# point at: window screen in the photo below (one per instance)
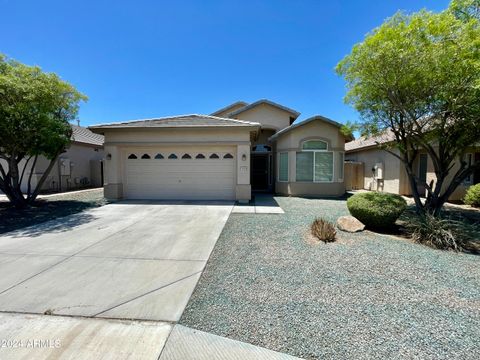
(314, 145)
(283, 167)
(323, 166)
(304, 168)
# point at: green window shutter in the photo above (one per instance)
(304, 166)
(314, 145)
(283, 167)
(324, 166)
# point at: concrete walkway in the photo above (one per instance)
(27, 336)
(188, 344)
(260, 204)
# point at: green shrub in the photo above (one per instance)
(473, 196)
(323, 230)
(376, 210)
(439, 233)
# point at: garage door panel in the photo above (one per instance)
(180, 178)
(174, 181)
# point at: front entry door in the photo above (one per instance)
(260, 174)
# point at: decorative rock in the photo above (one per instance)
(349, 224)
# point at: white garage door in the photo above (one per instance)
(180, 173)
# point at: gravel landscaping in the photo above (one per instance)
(365, 296)
(48, 208)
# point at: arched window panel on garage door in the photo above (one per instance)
(200, 156)
(214, 156)
(159, 156)
(228, 156)
(146, 156)
(172, 156)
(186, 156)
(132, 156)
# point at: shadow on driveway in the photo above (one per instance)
(14, 219)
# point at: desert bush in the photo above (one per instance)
(323, 230)
(472, 197)
(376, 210)
(440, 233)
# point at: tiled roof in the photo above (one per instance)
(367, 142)
(231, 106)
(85, 136)
(264, 101)
(304, 122)
(193, 120)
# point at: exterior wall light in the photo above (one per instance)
(109, 156)
(244, 157)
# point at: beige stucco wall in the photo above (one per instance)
(291, 142)
(396, 180)
(268, 116)
(263, 136)
(81, 157)
(118, 142)
(391, 181)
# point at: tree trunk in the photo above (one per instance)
(31, 198)
(11, 185)
(413, 186)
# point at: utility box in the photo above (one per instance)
(379, 171)
(64, 166)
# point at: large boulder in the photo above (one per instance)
(349, 224)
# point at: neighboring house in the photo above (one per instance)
(385, 172)
(78, 167)
(238, 149)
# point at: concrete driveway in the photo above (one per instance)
(124, 260)
(116, 280)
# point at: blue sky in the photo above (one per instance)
(142, 59)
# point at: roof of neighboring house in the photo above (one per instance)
(260, 102)
(304, 122)
(228, 107)
(369, 142)
(85, 136)
(186, 121)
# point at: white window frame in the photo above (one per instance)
(469, 180)
(288, 167)
(314, 156)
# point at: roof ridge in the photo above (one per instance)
(304, 122)
(187, 117)
(239, 102)
(266, 101)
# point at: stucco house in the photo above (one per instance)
(384, 172)
(226, 155)
(78, 167)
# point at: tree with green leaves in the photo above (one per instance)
(418, 76)
(35, 110)
(465, 10)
